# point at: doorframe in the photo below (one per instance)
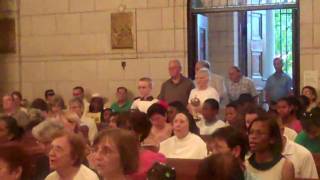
(191, 36)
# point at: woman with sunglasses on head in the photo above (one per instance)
(310, 136)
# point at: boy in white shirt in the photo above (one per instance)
(145, 100)
(210, 123)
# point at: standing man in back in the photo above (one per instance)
(239, 84)
(178, 87)
(279, 84)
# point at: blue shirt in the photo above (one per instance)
(278, 85)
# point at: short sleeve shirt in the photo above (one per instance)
(278, 85)
(245, 85)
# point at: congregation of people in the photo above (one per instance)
(218, 121)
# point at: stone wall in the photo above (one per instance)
(309, 36)
(65, 43)
(222, 41)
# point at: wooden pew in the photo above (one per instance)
(186, 169)
(316, 157)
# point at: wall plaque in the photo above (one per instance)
(121, 30)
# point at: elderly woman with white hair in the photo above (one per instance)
(44, 133)
(202, 92)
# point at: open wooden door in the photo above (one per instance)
(256, 47)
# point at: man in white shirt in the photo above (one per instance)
(239, 84)
(145, 100)
(210, 123)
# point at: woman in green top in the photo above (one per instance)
(310, 136)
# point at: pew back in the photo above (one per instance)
(316, 157)
(186, 169)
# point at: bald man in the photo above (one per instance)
(178, 87)
(238, 84)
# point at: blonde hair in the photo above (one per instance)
(71, 117)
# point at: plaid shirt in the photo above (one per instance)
(245, 85)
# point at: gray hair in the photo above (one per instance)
(35, 114)
(278, 58)
(205, 72)
(176, 61)
(204, 64)
(47, 130)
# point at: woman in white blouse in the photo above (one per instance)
(202, 92)
(185, 144)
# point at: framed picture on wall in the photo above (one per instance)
(121, 30)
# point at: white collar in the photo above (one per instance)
(288, 147)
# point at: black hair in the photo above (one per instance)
(40, 104)
(80, 88)
(96, 104)
(233, 138)
(121, 87)
(49, 92)
(222, 166)
(102, 114)
(311, 119)
(232, 105)
(122, 119)
(245, 98)
(13, 128)
(313, 90)
(15, 156)
(293, 101)
(17, 93)
(178, 106)
(304, 102)
(274, 132)
(214, 104)
(140, 124)
(156, 108)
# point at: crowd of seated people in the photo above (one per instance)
(87, 139)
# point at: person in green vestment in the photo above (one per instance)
(123, 103)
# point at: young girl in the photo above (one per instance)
(287, 112)
(266, 161)
(311, 93)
